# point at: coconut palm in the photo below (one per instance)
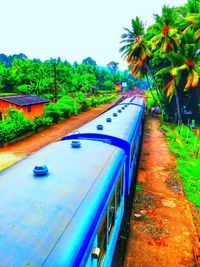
(168, 38)
(136, 50)
(191, 19)
(187, 65)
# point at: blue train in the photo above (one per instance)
(63, 205)
(122, 127)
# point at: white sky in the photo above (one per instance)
(72, 29)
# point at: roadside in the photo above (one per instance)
(162, 230)
(12, 153)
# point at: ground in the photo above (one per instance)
(162, 227)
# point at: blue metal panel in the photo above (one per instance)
(91, 209)
(110, 140)
(38, 214)
(123, 126)
(120, 132)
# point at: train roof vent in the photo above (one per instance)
(40, 170)
(123, 107)
(119, 111)
(126, 105)
(99, 127)
(75, 144)
(114, 114)
(108, 119)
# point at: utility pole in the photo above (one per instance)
(55, 83)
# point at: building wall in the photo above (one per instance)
(118, 87)
(28, 111)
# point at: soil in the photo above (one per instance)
(161, 227)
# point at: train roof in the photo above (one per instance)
(37, 212)
(133, 100)
(122, 126)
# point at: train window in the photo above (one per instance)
(132, 151)
(122, 182)
(102, 240)
(118, 193)
(111, 210)
(119, 189)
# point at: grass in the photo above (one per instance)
(184, 143)
(138, 188)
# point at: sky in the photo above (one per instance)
(72, 29)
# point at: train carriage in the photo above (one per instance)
(120, 126)
(71, 215)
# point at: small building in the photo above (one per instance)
(118, 86)
(31, 105)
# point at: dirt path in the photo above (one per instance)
(162, 232)
(12, 153)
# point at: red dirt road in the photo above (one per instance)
(14, 152)
(162, 231)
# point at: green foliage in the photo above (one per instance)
(169, 53)
(152, 101)
(40, 122)
(68, 106)
(54, 77)
(184, 143)
(138, 188)
(14, 125)
(108, 85)
(83, 102)
(104, 91)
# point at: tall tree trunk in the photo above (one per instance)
(156, 85)
(198, 101)
(55, 83)
(176, 97)
(157, 89)
(151, 89)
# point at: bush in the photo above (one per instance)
(71, 104)
(54, 112)
(184, 144)
(82, 101)
(14, 125)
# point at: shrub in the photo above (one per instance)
(14, 125)
(184, 143)
(54, 112)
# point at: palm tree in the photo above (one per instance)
(167, 36)
(136, 51)
(187, 65)
(191, 19)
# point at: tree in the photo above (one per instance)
(168, 38)
(89, 61)
(136, 51)
(113, 67)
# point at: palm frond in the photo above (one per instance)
(163, 71)
(170, 89)
(189, 81)
(195, 81)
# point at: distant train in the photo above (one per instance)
(63, 205)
